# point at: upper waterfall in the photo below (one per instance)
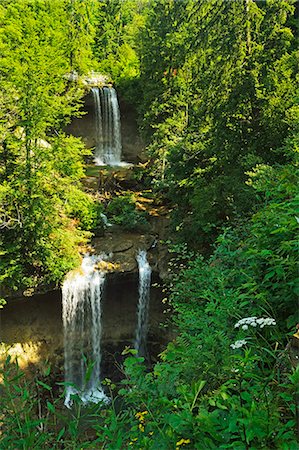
(107, 127)
(81, 311)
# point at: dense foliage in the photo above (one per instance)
(219, 98)
(214, 82)
(115, 47)
(122, 211)
(225, 382)
(41, 167)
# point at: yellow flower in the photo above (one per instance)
(140, 416)
(182, 442)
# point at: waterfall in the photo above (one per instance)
(143, 302)
(99, 150)
(108, 129)
(81, 311)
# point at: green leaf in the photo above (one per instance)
(44, 385)
(51, 407)
(60, 434)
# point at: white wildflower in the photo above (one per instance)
(254, 322)
(238, 344)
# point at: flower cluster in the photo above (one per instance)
(254, 322)
(182, 442)
(140, 417)
(238, 344)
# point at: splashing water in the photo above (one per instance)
(108, 128)
(143, 302)
(81, 311)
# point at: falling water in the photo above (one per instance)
(143, 302)
(99, 150)
(108, 129)
(81, 309)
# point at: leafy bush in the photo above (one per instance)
(83, 207)
(227, 380)
(33, 415)
(122, 211)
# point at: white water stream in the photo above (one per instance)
(82, 293)
(143, 302)
(108, 127)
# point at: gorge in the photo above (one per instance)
(149, 225)
(94, 298)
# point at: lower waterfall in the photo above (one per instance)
(82, 293)
(143, 302)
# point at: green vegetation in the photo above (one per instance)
(40, 167)
(221, 99)
(122, 211)
(115, 46)
(216, 86)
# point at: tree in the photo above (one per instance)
(80, 21)
(229, 82)
(116, 43)
(40, 166)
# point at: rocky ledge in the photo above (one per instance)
(121, 250)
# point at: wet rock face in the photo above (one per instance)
(84, 126)
(133, 146)
(31, 328)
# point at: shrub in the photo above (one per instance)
(122, 211)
